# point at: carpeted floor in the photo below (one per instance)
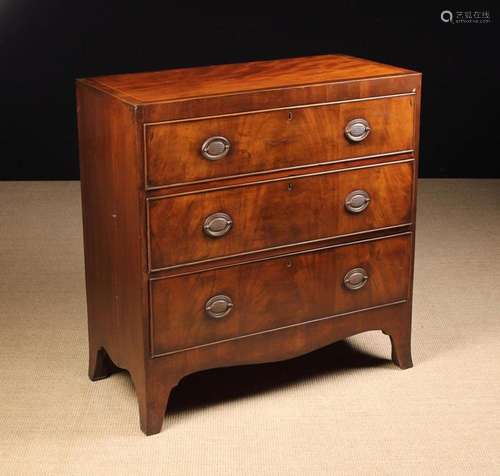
(344, 409)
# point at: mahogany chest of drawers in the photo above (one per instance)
(245, 213)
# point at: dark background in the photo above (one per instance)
(45, 45)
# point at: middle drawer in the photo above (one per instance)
(213, 224)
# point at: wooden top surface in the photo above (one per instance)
(178, 84)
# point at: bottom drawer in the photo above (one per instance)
(210, 306)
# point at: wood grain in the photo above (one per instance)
(227, 79)
(113, 212)
(276, 293)
(283, 260)
(277, 213)
(278, 139)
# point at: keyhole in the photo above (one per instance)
(288, 264)
(290, 187)
(290, 115)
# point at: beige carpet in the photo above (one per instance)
(342, 410)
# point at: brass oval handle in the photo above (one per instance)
(215, 148)
(219, 306)
(217, 225)
(355, 279)
(357, 201)
(357, 130)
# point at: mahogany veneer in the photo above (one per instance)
(290, 137)
(270, 214)
(245, 213)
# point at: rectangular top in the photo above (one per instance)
(206, 81)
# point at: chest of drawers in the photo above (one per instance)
(246, 213)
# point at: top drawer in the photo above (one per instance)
(227, 146)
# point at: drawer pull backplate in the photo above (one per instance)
(355, 279)
(219, 306)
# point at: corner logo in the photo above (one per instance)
(466, 17)
(447, 16)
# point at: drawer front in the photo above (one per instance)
(275, 140)
(209, 225)
(220, 304)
